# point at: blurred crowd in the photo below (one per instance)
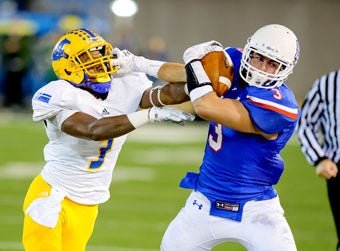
(27, 38)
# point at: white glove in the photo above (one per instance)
(124, 60)
(200, 50)
(45, 211)
(158, 114)
(129, 62)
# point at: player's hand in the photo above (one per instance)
(326, 169)
(200, 50)
(128, 62)
(158, 114)
(124, 59)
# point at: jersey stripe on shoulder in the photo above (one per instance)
(43, 97)
(292, 113)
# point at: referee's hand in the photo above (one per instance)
(326, 169)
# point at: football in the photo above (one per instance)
(219, 71)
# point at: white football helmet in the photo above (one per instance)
(276, 42)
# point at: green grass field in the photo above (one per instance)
(145, 195)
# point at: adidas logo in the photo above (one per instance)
(105, 112)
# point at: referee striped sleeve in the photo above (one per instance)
(318, 130)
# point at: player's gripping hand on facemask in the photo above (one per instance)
(128, 62)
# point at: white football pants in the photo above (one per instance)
(263, 227)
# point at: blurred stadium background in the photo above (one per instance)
(159, 29)
(145, 193)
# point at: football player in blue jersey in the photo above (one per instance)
(233, 198)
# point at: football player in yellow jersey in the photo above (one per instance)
(87, 113)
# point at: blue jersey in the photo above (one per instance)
(238, 167)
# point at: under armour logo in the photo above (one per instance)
(199, 205)
(105, 112)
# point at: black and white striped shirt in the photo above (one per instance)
(319, 127)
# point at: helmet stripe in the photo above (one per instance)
(89, 32)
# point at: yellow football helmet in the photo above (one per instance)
(73, 60)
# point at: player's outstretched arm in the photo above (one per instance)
(172, 72)
(85, 126)
(167, 71)
(168, 94)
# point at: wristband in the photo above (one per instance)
(200, 92)
(139, 118)
(198, 70)
(158, 88)
(198, 82)
(150, 95)
(150, 67)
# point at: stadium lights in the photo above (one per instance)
(124, 8)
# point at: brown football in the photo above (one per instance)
(220, 73)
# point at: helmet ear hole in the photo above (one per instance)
(77, 77)
(67, 72)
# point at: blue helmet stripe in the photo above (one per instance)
(89, 32)
(58, 52)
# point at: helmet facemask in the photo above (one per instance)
(95, 63)
(256, 77)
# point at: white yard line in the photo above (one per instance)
(22, 170)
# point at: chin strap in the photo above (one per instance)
(100, 88)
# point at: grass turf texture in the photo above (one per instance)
(145, 195)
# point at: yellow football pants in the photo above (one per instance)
(74, 228)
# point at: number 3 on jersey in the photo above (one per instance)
(96, 163)
(215, 140)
